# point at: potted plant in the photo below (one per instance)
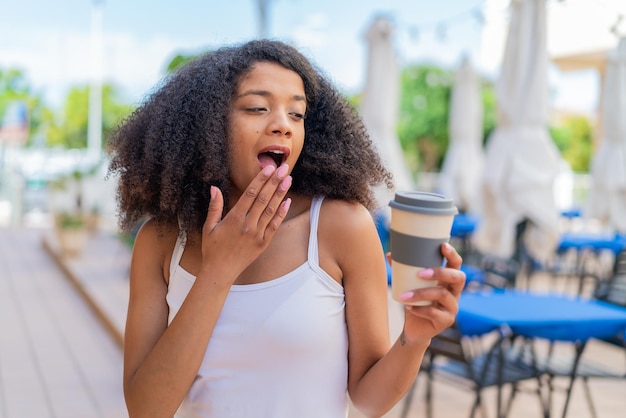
(71, 231)
(73, 224)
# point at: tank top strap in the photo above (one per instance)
(179, 248)
(314, 217)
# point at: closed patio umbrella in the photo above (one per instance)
(462, 167)
(380, 105)
(607, 197)
(521, 161)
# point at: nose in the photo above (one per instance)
(280, 124)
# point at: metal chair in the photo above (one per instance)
(491, 272)
(573, 367)
(613, 290)
(464, 361)
(500, 272)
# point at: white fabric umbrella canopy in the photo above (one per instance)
(521, 160)
(607, 197)
(380, 105)
(462, 167)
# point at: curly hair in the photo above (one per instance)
(174, 146)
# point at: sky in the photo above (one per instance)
(50, 40)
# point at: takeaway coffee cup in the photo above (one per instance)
(420, 223)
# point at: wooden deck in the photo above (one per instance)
(56, 359)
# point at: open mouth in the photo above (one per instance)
(272, 157)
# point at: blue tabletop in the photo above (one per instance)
(554, 317)
(573, 212)
(594, 241)
(464, 225)
(473, 274)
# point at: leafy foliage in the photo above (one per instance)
(66, 128)
(424, 112)
(66, 220)
(14, 86)
(573, 136)
(423, 119)
(70, 129)
(179, 60)
(489, 109)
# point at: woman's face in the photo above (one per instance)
(266, 125)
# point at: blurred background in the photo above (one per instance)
(513, 108)
(71, 70)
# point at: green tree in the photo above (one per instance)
(489, 108)
(573, 137)
(14, 86)
(424, 108)
(423, 120)
(179, 60)
(69, 129)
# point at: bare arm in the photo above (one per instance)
(379, 375)
(160, 361)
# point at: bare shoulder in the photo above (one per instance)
(155, 235)
(154, 244)
(345, 217)
(347, 232)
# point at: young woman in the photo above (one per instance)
(258, 285)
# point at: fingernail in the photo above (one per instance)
(282, 170)
(285, 184)
(213, 192)
(426, 273)
(448, 246)
(268, 170)
(406, 295)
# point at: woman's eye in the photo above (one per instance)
(256, 109)
(298, 115)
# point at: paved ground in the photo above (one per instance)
(56, 359)
(62, 322)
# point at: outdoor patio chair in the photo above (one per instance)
(500, 272)
(611, 290)
(470, 363)
(551, 366)
(558, 264)
(491, 272)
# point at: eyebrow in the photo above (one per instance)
(266, 93)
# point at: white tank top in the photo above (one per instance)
(279, 348)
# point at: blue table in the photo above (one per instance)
(473, 274)
(573, 212)
(464, 225)
(382, 227)
(592, 241)
(587, 246)
(533, 315)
